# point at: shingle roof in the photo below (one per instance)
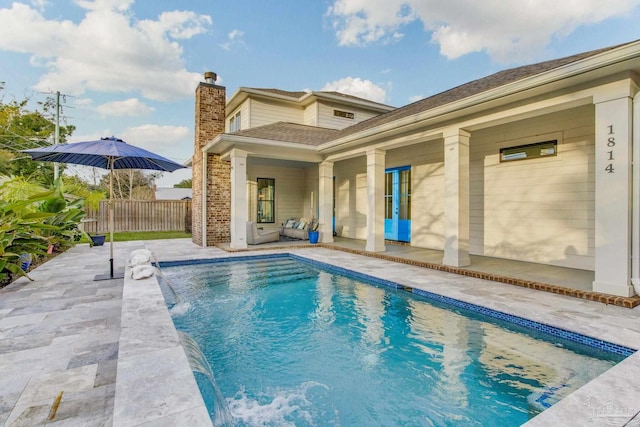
(296, 95)
(310, 135)
(299, 94)
(290, 132)
(466, 90)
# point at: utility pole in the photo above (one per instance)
(56, 169)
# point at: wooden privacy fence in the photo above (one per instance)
(141, 215)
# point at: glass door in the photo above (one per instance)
(397, 197)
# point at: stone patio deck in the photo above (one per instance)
(66, 333)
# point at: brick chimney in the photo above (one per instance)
(210, 115)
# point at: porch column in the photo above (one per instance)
(325, 201)
(375, 200)
(613, 171)
(456, 198)
(239, 205)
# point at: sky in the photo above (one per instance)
(129, 68)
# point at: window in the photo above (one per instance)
(529, 151)
(344, 114)
(266, 200)
(235, 123)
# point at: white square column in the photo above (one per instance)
(375, 200)
(613, 171)
(239, 202)
(325, 201)
(456, 198)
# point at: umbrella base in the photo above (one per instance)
(107, 276)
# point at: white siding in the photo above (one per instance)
(244, 110)
(326, 119)
(264, 113)
(427, 186)
(427, 191)
(291, 191)
(311, 193)
(351, 197)
(311, 114)
(537, 210)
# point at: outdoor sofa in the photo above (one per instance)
(295, 228)
(257, 236)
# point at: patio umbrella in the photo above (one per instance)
(106, 153)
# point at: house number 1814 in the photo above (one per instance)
(611, 142)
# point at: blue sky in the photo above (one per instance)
(129, 68)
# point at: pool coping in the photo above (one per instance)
(626, 302)
(612, 394)
(154, 382)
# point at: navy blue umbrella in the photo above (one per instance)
(106, 153)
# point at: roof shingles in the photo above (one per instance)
(290, 132)
(310, 135)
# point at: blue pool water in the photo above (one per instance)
(292, 344)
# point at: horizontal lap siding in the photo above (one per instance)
(537, 210)
(351, 197)
(327, 119)
(263, 113)
(290, 186)
(427, 190)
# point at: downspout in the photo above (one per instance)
(635, 197)
(203, 226)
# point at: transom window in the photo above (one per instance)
(529, 151)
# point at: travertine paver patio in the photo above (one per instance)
(65, 332)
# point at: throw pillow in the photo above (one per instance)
(301, 225)
(290, 223)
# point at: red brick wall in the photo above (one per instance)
(209, 122)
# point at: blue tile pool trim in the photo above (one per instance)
(517, 320)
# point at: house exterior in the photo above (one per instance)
(533, 163)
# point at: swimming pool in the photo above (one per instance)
(291, 343)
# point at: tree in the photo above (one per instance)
(185, 183)
(130, 184)
(21, 129)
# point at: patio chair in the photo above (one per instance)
(256, 237)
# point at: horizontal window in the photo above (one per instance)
(344, 114)
(529, 151)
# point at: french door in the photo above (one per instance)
(397, 197)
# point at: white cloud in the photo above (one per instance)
(169, 141)
(358, 87)
(508, 30)
(234, 39)
(107, 51)
(415, 98)
(129, 107)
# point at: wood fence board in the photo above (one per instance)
(140, 215)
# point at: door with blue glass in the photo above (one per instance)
(397, 218)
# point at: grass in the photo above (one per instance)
(145, 235)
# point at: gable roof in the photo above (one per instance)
(474, 87)
(301, 96)
(314, 136)
(290, 132)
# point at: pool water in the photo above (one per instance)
(293, 344)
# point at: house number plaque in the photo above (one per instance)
(611, 143)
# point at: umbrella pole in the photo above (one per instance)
(111, 217)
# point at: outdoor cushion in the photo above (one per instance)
(291, 222)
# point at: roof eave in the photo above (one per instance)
(224, 141)
(621, 54)
(370, 105)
